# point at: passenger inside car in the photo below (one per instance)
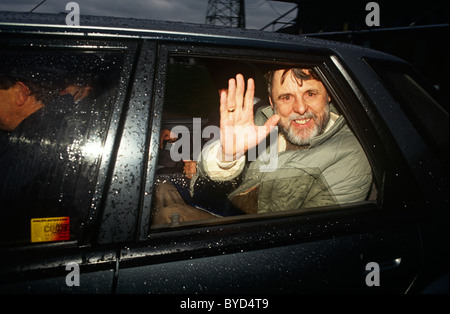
(180, 173)
(319, 162)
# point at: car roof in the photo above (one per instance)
(115, 27)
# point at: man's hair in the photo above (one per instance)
(41, 92)
(299, 74)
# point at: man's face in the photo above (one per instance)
(303, 106)
(16, 104)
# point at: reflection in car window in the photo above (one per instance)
(56, 107)
(307, 156)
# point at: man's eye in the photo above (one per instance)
(311, 94)
(286, 97)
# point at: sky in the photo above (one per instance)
(259, 13)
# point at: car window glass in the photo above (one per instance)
(60, 103)
(278, 175)
(424, 111)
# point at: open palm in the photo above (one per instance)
(238, 132)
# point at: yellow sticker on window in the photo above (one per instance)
(50, 229)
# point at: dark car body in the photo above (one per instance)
(404, 229)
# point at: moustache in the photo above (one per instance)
(306, 115)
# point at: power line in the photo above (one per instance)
(38, 5)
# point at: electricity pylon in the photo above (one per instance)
(229, 13)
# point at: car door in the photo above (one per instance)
(48, 243)
(365, 247)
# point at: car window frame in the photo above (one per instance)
(165, 50)
(368, 135)
(139, 106)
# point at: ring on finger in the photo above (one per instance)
(231, 110)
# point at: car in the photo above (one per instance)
(88, 227)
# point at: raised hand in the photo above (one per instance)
(238, 132)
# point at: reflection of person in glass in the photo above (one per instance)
(19, 98)
(320, 162)
(38, 156)
(78, 92)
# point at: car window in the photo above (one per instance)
(56, 110)
(280, 174)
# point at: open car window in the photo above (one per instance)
(279, 175)
(50, 157)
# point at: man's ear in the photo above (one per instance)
(271, 103)
(21, 92)
(329, 98)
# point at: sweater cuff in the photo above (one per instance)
(221, 170)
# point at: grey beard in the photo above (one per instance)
(319, 127)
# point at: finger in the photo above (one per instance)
(240, 90)
(223, 103)
(249, 96)
(231, 99)
(270, 124)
